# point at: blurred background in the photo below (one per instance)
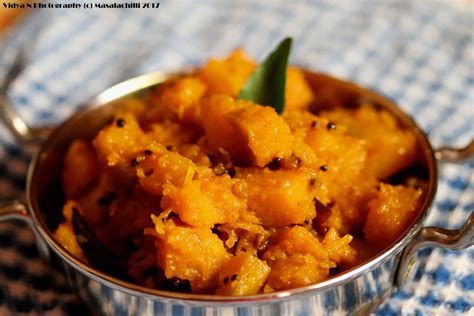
(419, 53)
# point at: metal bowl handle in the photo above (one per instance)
(456, 155)
(436, 236)
(16, 125)
(16, 210)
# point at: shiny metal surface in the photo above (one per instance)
(15, 123)
(359, 296)
(357, 289)
(10, 118)
(12, 210)
(458, 155)
(434, 236)
(16, 210)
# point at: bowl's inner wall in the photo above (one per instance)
(45, 193)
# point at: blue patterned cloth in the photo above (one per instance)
(419, 53)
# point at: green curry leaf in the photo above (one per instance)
(266, 85)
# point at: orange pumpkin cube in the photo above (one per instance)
(243, 274)
(80, 169)
(204, 200)
(190, 253)
(298, 93)
(120, 140)
(338, 248)
(295, 271)
(65, 232)
(227, 76)
(177, 99)
(390, 148)
(280, 197)
(390, 212)
(254, 135)
(294, 240)
(162, 166)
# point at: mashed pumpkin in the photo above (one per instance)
(206, 193)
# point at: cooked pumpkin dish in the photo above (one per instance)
(194, 189)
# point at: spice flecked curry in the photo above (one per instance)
(201, 192)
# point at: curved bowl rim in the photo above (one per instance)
(148, 80)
